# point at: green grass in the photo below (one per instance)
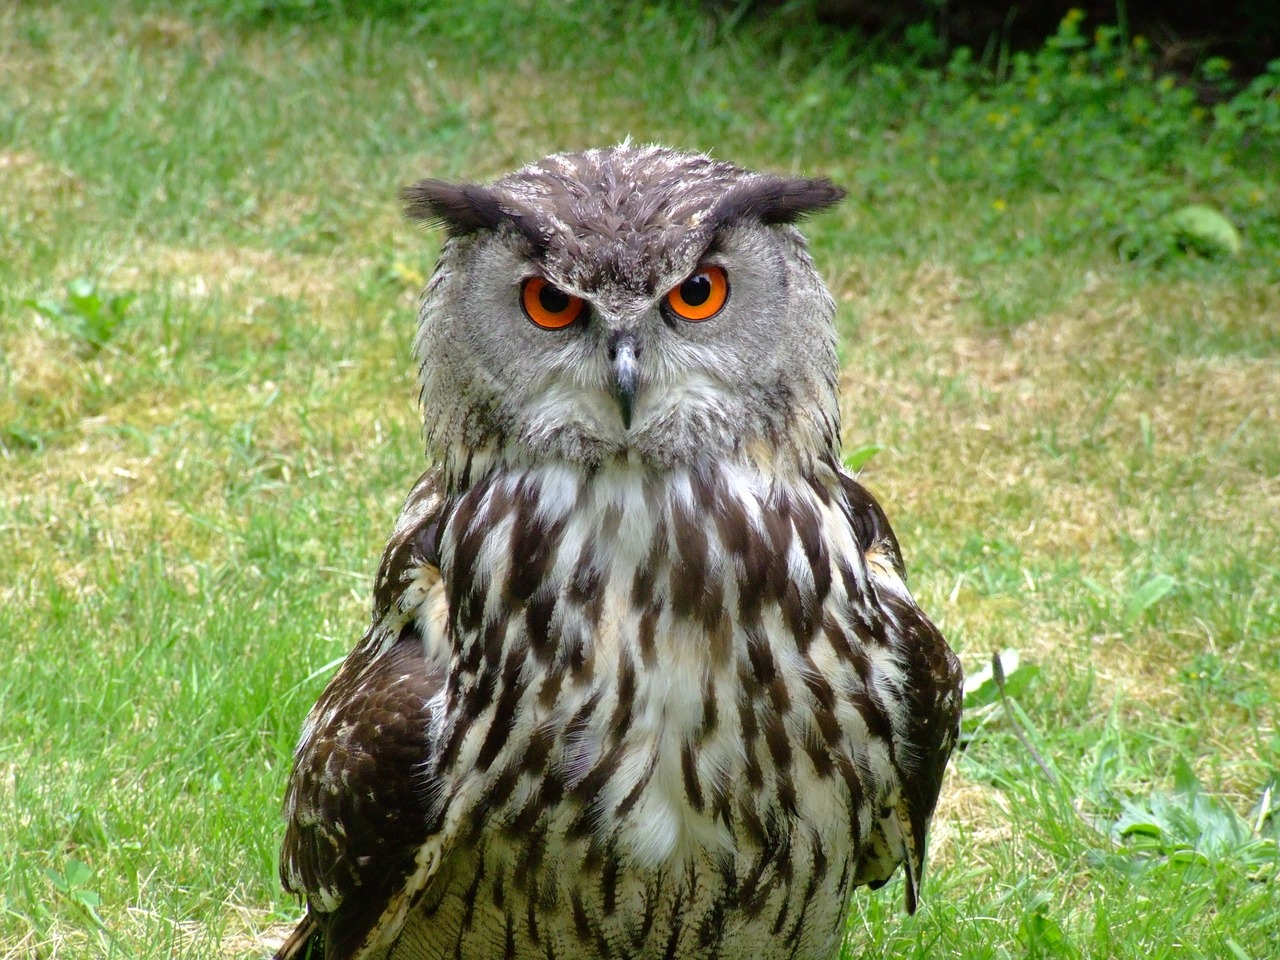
(207, 423)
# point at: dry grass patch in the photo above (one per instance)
(32, 185)
(247, 275)
(971, 817)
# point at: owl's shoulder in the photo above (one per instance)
(933, 668)
(411, 559)
(871, 528)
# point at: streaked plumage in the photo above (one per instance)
(643, 677)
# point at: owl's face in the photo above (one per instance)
(627, 303)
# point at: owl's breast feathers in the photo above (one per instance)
(634, 674)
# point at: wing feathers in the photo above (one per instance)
(356, 804)
(929, 716)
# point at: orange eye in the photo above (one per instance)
(547, 306)
(702, 296)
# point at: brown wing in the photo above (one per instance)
(933, 684)
(356, 805)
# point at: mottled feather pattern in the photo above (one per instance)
(643, 688)
(637, 713)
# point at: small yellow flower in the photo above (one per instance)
(998, 205)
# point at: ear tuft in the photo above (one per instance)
(774, 200)
(461, 208)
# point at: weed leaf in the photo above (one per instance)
(77, 873)
(855, 460)
(1147, 596)
(87, 315)
(1043, 936)
(1203, 230)
(1190, 828)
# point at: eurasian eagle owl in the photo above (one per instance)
(643, 677)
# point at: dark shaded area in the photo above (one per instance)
(1182, 32)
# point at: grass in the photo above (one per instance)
(207, 423)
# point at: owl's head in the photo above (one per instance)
(628, 303)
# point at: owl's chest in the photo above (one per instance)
(668, 666)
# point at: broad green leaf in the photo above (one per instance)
(1204, 230)
(90, 898)
(77, 873)
(856, 459)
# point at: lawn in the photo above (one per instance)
(1063, 386)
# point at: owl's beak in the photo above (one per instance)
(624, 350)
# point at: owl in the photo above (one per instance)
(643, 677)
